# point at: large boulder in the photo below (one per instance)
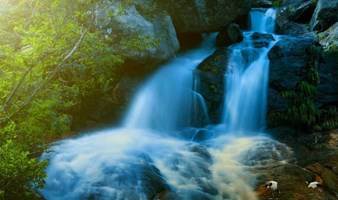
(328, 70)
(229, 35)
(289, 60)
(204, 15)
(325, 15)
(210, 74)
(260, 40)
(210, 81)
(141, 30)
(294, 16)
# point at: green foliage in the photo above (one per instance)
(44, 85)
(19, 171)
(277, 3)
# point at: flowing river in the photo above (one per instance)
(157, 153)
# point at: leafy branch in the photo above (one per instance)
(42, 85)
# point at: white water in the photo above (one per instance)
(146, 160)
(167, 101)
(263, 21)
(247, 79)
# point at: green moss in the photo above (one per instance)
(277, 3)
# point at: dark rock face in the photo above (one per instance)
(325, 15)
(262, 3)
(229, 35)
(327, 90)
(261, 39)
(288, 60)
(328, 70)
(293, 17)
(210, 79)
(204, 15)
(302, 12)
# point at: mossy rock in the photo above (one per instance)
(329, 40)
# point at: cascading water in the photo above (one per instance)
(263, 20)
(168, 102)
(247, 78)
(146, 160)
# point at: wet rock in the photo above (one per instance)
(294, 16)
(328, 71)
(201, 151)
(327, 90)
(196, 134)
(229, 35)
(261, 39)
(276, 101)
(330, 179)
(325, 15)
(262, 3)
(302, 12)
(291, 183)
(204, 15)
(293, 28)
(290, 60)
(316, 160)
(140, 20)
(287, 59)
(267, 153)
(210, 82)
(127, 178)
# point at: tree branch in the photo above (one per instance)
(47, 80)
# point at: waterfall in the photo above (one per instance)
(148, 158)
(262, 20)
(166, 102)
(247, 78)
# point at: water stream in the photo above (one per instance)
(247, 77)
(147, 158)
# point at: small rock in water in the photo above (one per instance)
(272, 185)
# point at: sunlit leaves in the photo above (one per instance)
(18, 171)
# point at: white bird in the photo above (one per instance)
(314, 184)
(273, 185)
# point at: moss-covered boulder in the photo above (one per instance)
(142, 31)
